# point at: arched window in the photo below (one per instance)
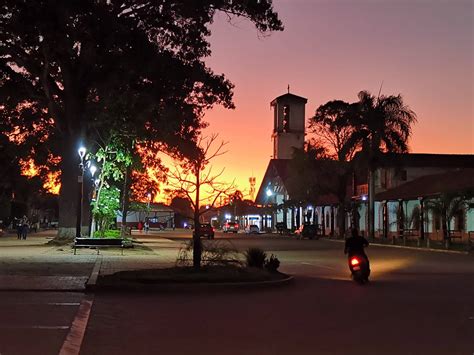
(286, 118)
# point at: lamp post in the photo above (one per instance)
(82, 152)
(95, 185)
(269, 194)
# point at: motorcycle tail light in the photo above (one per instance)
(354, 261)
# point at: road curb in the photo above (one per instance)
(92, 281)
(177, 287)
(407, 247)
(77, 290)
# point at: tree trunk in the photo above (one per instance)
(371, 204)
(125, 201)
(341, 219)
(197, 247)
(68, 194)
(445, 226)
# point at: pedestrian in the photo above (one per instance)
(19, 227)
(147, 226)
(24, 227)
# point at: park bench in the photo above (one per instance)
(98, 243)
(470, 240)
(455, 234)
(281, 228)
(411, 234)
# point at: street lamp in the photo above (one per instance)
(92, 169)
(95, 186)
(269, 194)
(82, 152)
(149, 200)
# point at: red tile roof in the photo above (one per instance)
(431, 185)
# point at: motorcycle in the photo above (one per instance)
(359, 268)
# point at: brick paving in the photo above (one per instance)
(31, 264)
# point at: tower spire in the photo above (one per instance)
(288, 88)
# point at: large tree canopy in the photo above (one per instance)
(76, 68)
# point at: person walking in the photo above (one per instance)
(19, 226)
(24, 227)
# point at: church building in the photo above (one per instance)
(288, 133)
(405, 184)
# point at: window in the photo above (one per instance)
(459, 221)
(437, 223)
(286, 118)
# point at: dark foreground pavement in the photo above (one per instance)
(316, 316)
(417, 303)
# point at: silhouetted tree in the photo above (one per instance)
(68, 67)
(332, 126)
(194, 178)
(380, 124)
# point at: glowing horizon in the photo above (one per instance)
(333, 50)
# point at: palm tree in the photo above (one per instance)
(380, 125)
(446, 207)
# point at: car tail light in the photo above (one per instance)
(354, 261)
(236, 225)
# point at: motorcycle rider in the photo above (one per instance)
(355, 246)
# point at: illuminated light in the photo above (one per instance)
(269, 192)
(310, 208)
(364, 197)
(185, 224)
(82, 152)
(354, 262)
(92, 169)
(227, 216)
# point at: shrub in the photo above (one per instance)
(109, 233)
(255, 257)
(272, 264)
(214, 252)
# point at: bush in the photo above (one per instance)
(214, 252)
(109, 233)
(272, 264)
(255, 257)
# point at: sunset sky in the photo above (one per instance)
(332, 49)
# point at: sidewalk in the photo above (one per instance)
(32, 265)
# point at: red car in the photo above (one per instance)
(206, 230)
(231, 227)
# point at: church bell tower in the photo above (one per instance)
(288, 125)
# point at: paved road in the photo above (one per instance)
(417, 303)
(36, 322)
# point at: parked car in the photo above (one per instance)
(205, 230)
(281, 227)
(307, 231)
(231, 227)
(252, 229)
